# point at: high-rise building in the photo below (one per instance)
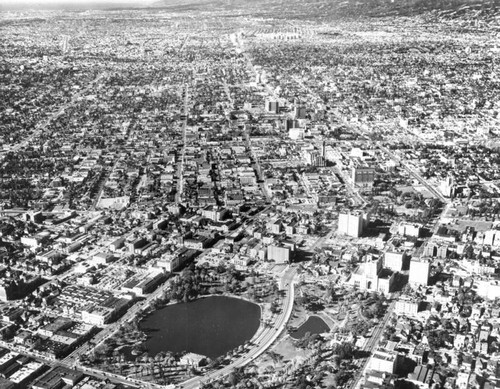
(406, 307)
(279, 254)
(419, 272)
(350, 224)
(65, 44)
(290, 124)
(272, 106)
(447, 187)
(363, 175)
(299, 112)
(370, 275)
(372, 267)
(413, 230)
(394, 260)
(314, 158)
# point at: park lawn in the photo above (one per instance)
(479, 225)
(287, 349)
(329, 379)
(288, 352)
(299, 316)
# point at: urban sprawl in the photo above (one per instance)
(342, 175)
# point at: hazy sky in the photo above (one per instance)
(76, 3)
(50, 2)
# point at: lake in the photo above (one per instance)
(209, 326)
(313, 325)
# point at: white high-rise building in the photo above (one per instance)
(419, 272)
(447, 186)
(350, 224)
(394, 260)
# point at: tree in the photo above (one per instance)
(344, 350)
(438, 338)
(276, 358)
(234, 377)
(274, 307)
(212, 290)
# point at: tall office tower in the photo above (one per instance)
(363, 175)
(317, 159)
(419, 272)
(289, 124)
(447, 187)
(299, 112)
(272, 106)
(65, 44)
(350, 224)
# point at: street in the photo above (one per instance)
(370, 345)
(180, 171)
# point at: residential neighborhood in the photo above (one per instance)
(206, 194)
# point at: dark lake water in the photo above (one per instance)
(314, 325)
(209, 326)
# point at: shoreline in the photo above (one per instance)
(147, 311)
